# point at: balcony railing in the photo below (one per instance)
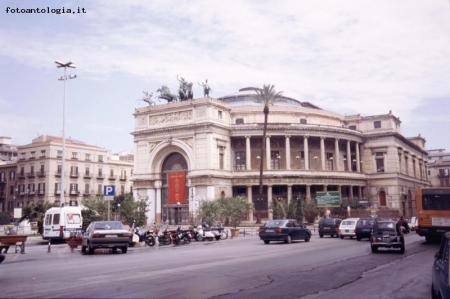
(442, 175)
(2, 180)
(87, 176)
(58, 174)
(57, 192)
(112, 178)
(123, 178)
(100, 176)
(74, 174)
(31, 174)
(41, 192)
(21, 176)
(86, 193)
(2, 194)
(239, 168)
(41, 174)
(74, 193)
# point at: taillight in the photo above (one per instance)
(261, 230)
(336, 229)
(279, 230)
(374, 240)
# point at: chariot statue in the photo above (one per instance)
(147, 97)
(185, 91)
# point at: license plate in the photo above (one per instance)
(110, 236)
(387, 240)
(346, 231)
(326, 228)
(366, 230)
(269, 230)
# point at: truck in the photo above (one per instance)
(59, 222)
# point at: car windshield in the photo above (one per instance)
(365, 222)
(327, 221)
(348, 222)
(274, 223)
(108, 225)
(386, 225)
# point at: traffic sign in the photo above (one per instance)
(109, 190)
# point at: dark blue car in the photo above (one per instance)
(286, 230)
(440, 287)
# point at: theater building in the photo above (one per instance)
(190, 151)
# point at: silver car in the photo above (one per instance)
(105, 234)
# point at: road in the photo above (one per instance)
(243, 267)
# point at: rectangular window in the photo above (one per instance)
(123, 174)
(344, 160)
(22, 171)
(59, 155)
(377, 124)
(420, 170)
(73, 188)
(99, 189)
(22, 156)
(11, 190)
(301, 159)
(88, 157)
(43, 154)
(303, 121)
(275, 159)
(414, 168)
(41, 188)
(73, 170)
(42, 170)
(406, 166)
(122, 190)
(12, 175)
(221, 161)
(352, 127)
(239, 121)
(240, 160)
(100, 173)
(2, 177)
(59, 170)
(57, 188)
(32, 169)
(55, 219)
(100, 158)
(379, 161)
(74, 155)
(33, 155)
(86, 189)
(400, 163)
(219, 114)
(329, 161)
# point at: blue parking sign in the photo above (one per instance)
(109, 190)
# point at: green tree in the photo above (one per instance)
(36, 212)
(234, 209)
(97, 204)
(280, 209)
(209, 211)
(310, 211)
(267, 96)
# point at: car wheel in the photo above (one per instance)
(402, 249)
(331, 236)
(321, 235)
(374, 249)
(266, 241)
(433, 293)
(288, 239)
(83, 248)
(358, 238)
(307, 238)
(124, 249)
(342, 237)
(351, 237)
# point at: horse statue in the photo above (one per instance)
(206, 88)
(165, 94)
(147, 97)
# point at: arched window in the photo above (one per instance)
(382, 196)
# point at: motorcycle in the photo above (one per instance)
(202, 234)
(139, 236)
(164, 237)
(181, 236)
(223, 234)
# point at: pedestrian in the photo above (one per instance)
(402, 225)
(164, 219)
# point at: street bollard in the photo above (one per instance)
(71, 244)
(49, 246)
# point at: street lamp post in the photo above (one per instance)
(64, 78)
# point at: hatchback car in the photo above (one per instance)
(385, 235)
(329, 227)
(105, 234)
(347, 228)
(440, 285)
(285, 230)
(363, 229)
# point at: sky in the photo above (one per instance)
(350, 57)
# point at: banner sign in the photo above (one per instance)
(328, 199)
(177, 188)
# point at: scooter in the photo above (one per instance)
(202, 234)
(223, 234)
(181, 237)
(164, 237)
(141, 236)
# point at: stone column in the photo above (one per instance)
(308, 193)
(340, 192)
(360, 192)
(250, 200)
(248, 153)
(358, 165)
(158, 205)
(349, 157)
(350, 192)
(306, 151)
(325, 188)
(322, 153)
(336, 155)
(209, 154)
(268, 164)
(269, 202)
(288, 152)
(289, 194)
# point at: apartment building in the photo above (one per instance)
(36, 175)
(439, 167)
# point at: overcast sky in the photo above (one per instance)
(350, 57)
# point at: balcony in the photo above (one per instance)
(74, 193)
(31, 175)
(58, 174)
(31, 193)
(86, 193)
(41, 192)
(100, 176)
(41, 174)
(57, 192)
(2, 194)
(123, 178)
(21, 176)
(112, 178)
(87, 176)
(74, 174)
(2, 180)
(442, 175)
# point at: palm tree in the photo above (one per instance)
(266, 96)
(36, 212)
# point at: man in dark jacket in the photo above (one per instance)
(402, 225)
(2, 258)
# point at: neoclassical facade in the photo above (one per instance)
(190, 151)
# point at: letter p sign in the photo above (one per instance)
(109, 190)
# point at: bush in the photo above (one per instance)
(4, 218)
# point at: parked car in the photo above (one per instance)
(385, 235)
(347, 228)
(363, 228)
(286, 230)
(329, 227)
(105, 234)
(440, 285)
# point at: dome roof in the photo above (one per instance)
(247, 97)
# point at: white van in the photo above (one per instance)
(59, 222)
(347, 228)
